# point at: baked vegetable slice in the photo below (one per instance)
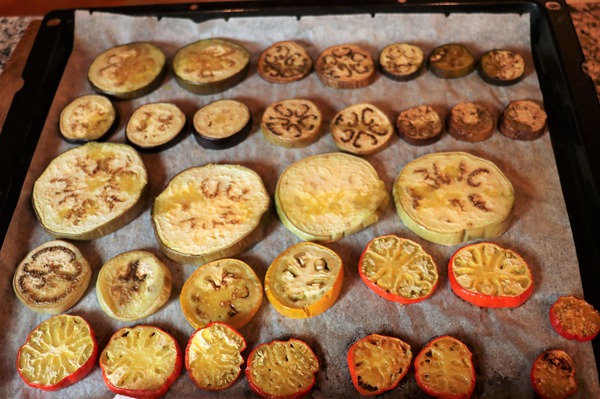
(91, 190)
(304, 280)
(377, 363)
(225, 290)
(222, 124)
(451, 61)
(210, 212)
(361, 129)
(470, 122)
(282, 369)
(88, 118)
(292, 123)
(141, 362)
(155, 127)
(52, 278)
(58, 352)
(553, 375)
(326, 197)
(490, 276)
(574, 318)
(128, 71)
(501, 67)
(401, 61)
(133, 285)
(284, 62)
(398, 269)
(523, 120)
(213, 357)
(444, 369)
(346, 66)
(420, 125)
(452, 197)
(210, 66)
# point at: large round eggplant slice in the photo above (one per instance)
(128, 71)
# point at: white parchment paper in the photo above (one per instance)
(504, 341)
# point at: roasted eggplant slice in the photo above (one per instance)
(470, 122)
(222, 124)
(210, 66)
(284, 62)
(420, 125)
(292, 123)
(501, 67)
(451, 61)
(155, 127)
(523, 120)
(88, 118)
(346, 66)
(128, 71)
(401, 61)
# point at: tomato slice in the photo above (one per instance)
(377, 363)
(490, 276)
(141, 362)
(304, 280)
(282, 369)
(58, 352)
(444, 369)
(398, 269)
(224, 290)
(213, 356)
(553, 375)
(574, 318)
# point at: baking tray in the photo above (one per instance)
(569, 96)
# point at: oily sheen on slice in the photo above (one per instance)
(329, 196)
(90, 191)
(453, 197)
(210, 212)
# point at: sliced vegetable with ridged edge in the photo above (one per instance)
(346, 66)
(501, 67)
(155, 127)
(52, 277)
(401, 61)
(574, 318)
(398, 269)
(128, 71)
(451, 61)
(90, 191)
(304, 280)
(377, 363)
(553, 375)
(59, 352)
(284, 62)
(88, 118)
(222, 124)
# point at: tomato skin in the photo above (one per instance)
(78, 375)
(148, 394)
(533, 376)
(187, 364)
(483, 300)
(562, 329)
(266, 395)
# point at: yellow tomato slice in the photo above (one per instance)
(304, 280)
(213, 356)
(225, 290)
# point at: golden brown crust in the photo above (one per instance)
(523, 120)
(284, 62)
(346, 66)
(292, 123)
(361, 129)
(470, 122)
(420, 125)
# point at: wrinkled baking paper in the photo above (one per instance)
(504, 341)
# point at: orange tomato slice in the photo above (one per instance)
(444, 369)
(58, 352)
(377, 363)
(213, 356)
(553, 375)
(574, 318)
(304, 280)
(488, 275)
(398, 269)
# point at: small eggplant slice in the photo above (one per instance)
(420, 125)
(128, 71)
(292, 123)
(523, 120)
(222, 124)
(470, 122)
(501, 67)
(401, 61)
(284, 62)
(210, 66)
(451, 61)
(155, 127)
(346, 66)
(88, 118)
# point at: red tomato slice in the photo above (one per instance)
(575, 319)
(141, 362)
(377, 363)
(490, 276)
(282, 369)
(553, 375)
(58, 352)
(213, 356)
